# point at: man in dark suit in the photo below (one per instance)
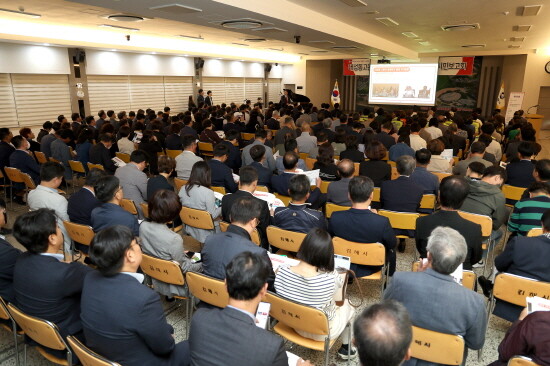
(257, 153)
(6, 149)
(351, 224)
(434, 300)
(187, 128)
(520, 172)
(76, 123)
(100, 154)
(46, 142)
(173, 138)
(285, 98)
(123, 319)
(402, 194)
(247, 185)
(222, 175)
(81, 204)
(200, 98)
(102, 117)
(457, 142)
(338, 192)
(230, 336)
(384, 135)
(232, 142)
(220, 249)
(453, 191)
(45, 286)
(208, 100)
(22, 160)
(8, 257)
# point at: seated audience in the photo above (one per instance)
(432, 297)
(260, 137)
(477, 150)
(81, 203)
(45, 142)
(352, 150)
(84, 143)
(45, 285)
(383, 334)
(519, 172)
(528, 211)
(100, 154)
(541, 173)
(188, 128)
(306, 141)
(208, 134)
(421, 175)
(8, 257)
(28, 135)
(313, 282)
(375, 168)
(133, 180)
(186, 160)
(166, 166)
(438, 164)
(401, 148)
(298, 216)
(493, 146)
(124, 144)
(173, 140)
(325, 163)
(337, 192)
(384, 137)
(21, 159)
(123, 319)
(222, 175)
(160, 241)
(232, 142)
(220, 249)
(419, 137)
(45, 130)
(290, 145)
(475, 170)
(339, 143)
(452, 193)
(257, 153)
(197, 194)
(109, 213)
(322, 139)
(151, 145)
(247, 185)
(392, 195)
(360, 224)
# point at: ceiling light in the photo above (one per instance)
(153, 53)
(473, 46)
(409, 34)
(113, 50)
(176, 9)
(522, 28)
(425, 43)
(125, 18)
(435, 49)
(531, 10)
(372, 12)
(241, 24)
(192, 37)
(514, 46)
(517, 39)
(254, 39)
(240, 44)
(276, 49)
(319, 51)
(354, 3)
(345, 48)
(305, 54)
(321, 41)
(387, 21)
(21, 12)
(45, 44)
(459, 27)
(117, 27)
(269, 30)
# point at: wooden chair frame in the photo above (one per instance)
(437, 347)
(5, 314)
(512, 193)
(401, 220)
(331, 208)
(76, 167)
(206, 149)
(324, 186)
(123, 156)
(40, 157)
(95, 166)
(178, 182)
(129, 205)
(218, 189)
(310, 162)
(86, 356)
(79, 233)
(428, 201)
(285, 240)
(207, 289)
(537, 231)
(173, 153)
(285, 199)
(486, 224)
(440, 176)
(254, 237)
(199, 219)
(262, 189)
(145, 209)
(521, 361)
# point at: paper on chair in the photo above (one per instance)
(457, 274)
(447, 154)
(536, 303)
(272, 201)
(277, 260)
(236, 178)
(312, 175)
(119, 163)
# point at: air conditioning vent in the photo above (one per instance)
(514, 46)
(345, 48)
(522, 28)
(269, 30)
(320, 51)
(176, 9)
(125, 18)
(241, 24)
(473, 46)
(254, 39)
(459, 27)
(409, 34)
(192, 37)
(530, 10)
(517, 39)
(323, 41)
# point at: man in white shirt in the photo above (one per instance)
(417, 142)
(306, 142)
(124, 144)
(186, 160)
(433, 130)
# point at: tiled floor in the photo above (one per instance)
(371, 294)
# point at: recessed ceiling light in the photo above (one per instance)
(387, 21)
(117, 27)
(276, 49)
(459, 27)
(522, 28)
(305, 54)
(514, 46)
(21, 12)
(240, 44)
(345, 48)
(177, 9)
(321, 41)
(435, 49)
(517, 39)
(45, 44)
(254, 39)
(473, 46)
(192, 37)
(113, 50)
(354, 3)
(125, 18)
(153, 53)
(319, 51)
(372, 12)
(531, 10)
(409, 34)
(241, 24)
(425, 43)
(185, 55)
(374, 54)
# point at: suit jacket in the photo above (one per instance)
(426, 180)
(108, 214)
(520, 173)
(230, 337)
(234, 159)
(393, 199)
(5, 151)
(469, 230)
(458, 143)
(134, 184)
(173, 142)
(81, 205)
(219, 249)
(269, 160)
(50, 289)
(187, 130)
(200, 99)
(265, 216)
(264, 174)
(338, 192)
(299, 218)
(377, 170)
(280, 184)
(124, 321)
(436, 302)
(157, 183)
(385, 139)
(208, 100)
(60, 151)
(8, 257)
(99, 154)
(184, 164)
(25, 162)
(45, 144)
(222, 176)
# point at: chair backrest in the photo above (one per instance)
(428, 201)
(4, 313)
(401, 220)
(179, 183)
(303, 156)
(246, 136)
(208, 289)
(77, 166)
(427, 345)
(129, 206)
(512, 192)
(286, 199)
(13, 174)
(95, 166)
(514, 289)
(199, 219)
(206, 148)
(485, 221)
(40, 157)
(310, 162)
(376, 194)
(173, 153)
(537, 231)
(440, 176)
(356, 169)
(53, 160)
(29, 183)
(262, 189)
(123, 156)
(521, 361)
(145, 209)
(331, 208)
(392, 163)
(284, 239)
(163, 270)
(254, 237)
(394, 173)
(79, 233)
(218, 189)
(371, 254)
(41, 331)
(297, 316)
(86, 356)
(324, 186)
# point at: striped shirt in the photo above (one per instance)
(527, 214)
(317, 291)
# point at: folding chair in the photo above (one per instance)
(76, 167)
(262, 189)
(29, 184)
(199, 219)
(206, 149)
(145, 209)
(43, 332)
(40, 157)
(5, 315)
(521, 361)
(356, 169)
(95, 166)
(4, 185)
(245, 136)
(365, 254)
(254, 237)
(286, 199)
(310, 162)
(401, 221)
(54, 160)
(469, 278)
(178, 182)
(440, 176)
(331, 208)
(486, 224)
(129, 205)
(218, 189)
(292, 315)
(535, 232)
(303, 156)
(392, 163)
(123, 156)
(173, 153)
(324, 186)
(168, 272)
(86, 356)
(376, 194)
(512, 193)
(207, 289)
(14, 175)
(436, 347)
(394, 173)
(285, 240)
(79, 233)
(428, 201)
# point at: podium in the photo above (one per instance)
(535, 120)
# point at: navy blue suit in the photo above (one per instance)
(99, 154)
(280, 183)
(157, 183)
(264, 174)
(23, 161)
(364, 226)
(186, 130)
(222, 176)
(385, 139)
(124, 321)
(173, 142)
(5, 151)
(234, 159)
(520, 173)
(81, 205)
(401, 194)
(8, 257)
(109, 214)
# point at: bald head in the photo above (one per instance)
(346, 168)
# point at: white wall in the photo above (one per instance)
(296, 74)
(143, 64)
(227, 68)
(31, 59)
(276, 71)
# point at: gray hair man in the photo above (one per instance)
(432, 297)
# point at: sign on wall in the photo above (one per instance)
(515, 100)
(356, 66)
(456, 65)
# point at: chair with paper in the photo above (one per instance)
(366, 254)
(310, 162)
(285, 199)
(537, 231)
(438, 348)
(207, 289)
(331, 208)
(469, 278)
(285, 240)
(521, 361)
(123, 156)
(254, 237)
(293, 315)
(262, 189)
(86, 356)
(81, 234)
(199, 219)
(220, 190)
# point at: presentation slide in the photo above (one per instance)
(408, 84)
